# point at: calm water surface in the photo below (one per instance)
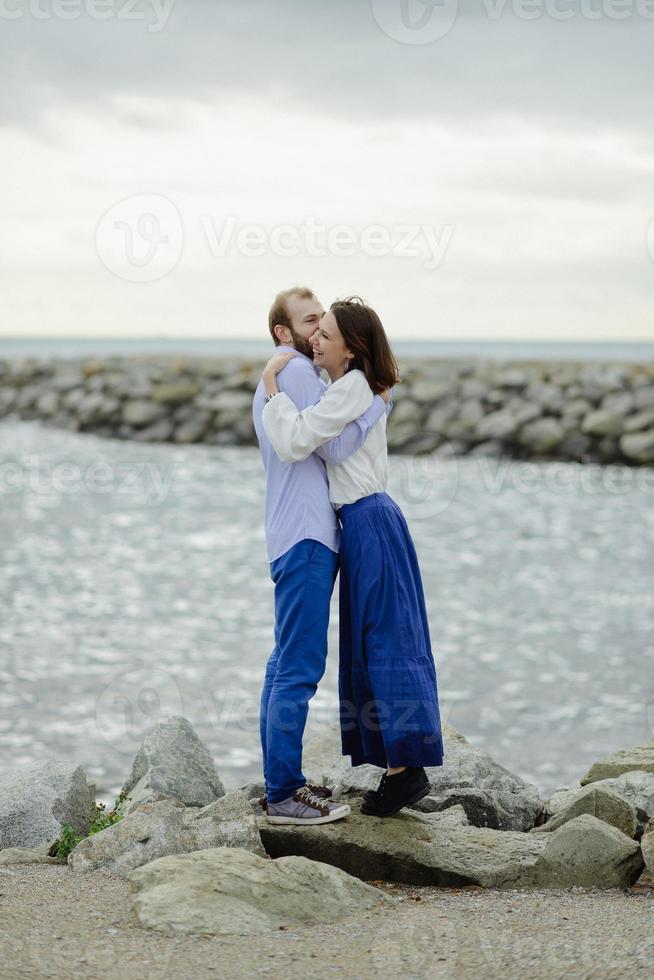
(134, 585)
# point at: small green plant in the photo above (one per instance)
(69, 838)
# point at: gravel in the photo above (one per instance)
(56, 923)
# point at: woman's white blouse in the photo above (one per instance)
(294, 436)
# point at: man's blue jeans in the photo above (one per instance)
(304, 579)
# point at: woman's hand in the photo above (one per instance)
(277, 362)
(386, 394)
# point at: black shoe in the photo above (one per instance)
(396, 791)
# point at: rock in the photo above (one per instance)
(156, 829)
(511, 378)
(618, 403)
(220, 892)
(139, 412)
(194, 429)
(523, 411)
(37, 799)
(47, 403)
(429, 391)
(160, 431)
(97, 407)
(25, 855)
(491, 449)
(636, 787)
(602, 803)
(174, 762)
(638, 757)
(589, 853)
(574, 446)
(405, 411)
(646, 846)
(639, 421)
(497, 425)
(644, 396)
(639, 446)
(542, 435)
(548, 396)
(473, 388)
(490, 794)
(175, 392)
(602, 423)
(431, 849)
(577, 408)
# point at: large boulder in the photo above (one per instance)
(156, 829)
(589, 853)
(219, 891)
(25, 855)
(602, 803)
(639, 757)
(635, 787)
(172, 761)
(491, 795)
(647, 847)
(37, 799)
(440, 849)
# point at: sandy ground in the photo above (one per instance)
(57, 923)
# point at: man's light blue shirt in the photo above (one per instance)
(297, 494)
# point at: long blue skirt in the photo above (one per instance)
(388, 695)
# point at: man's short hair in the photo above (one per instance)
(279, 311)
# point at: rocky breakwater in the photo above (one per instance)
(588, 412)
(199, 859)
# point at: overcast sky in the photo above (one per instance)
(473, 170)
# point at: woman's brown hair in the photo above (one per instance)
(364, 335)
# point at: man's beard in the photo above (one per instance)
(301, 344)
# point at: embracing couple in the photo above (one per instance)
(324, 452)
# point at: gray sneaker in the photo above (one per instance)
(304, 807)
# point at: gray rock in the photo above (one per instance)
(429, 391)
(523, 411)
(25, 855)
(491, 449)
(229, 402)
(47, 403)
(602, 423)
(575, 446)
(497, 425)
(639, 446)
(405, 411)
(440, 415)
(647, 846)
(541, 435)
(175, 392)
(639, 421)
(548, 396)
(577, 408)
(194, 429)
(139, 412)
(432, 849)
(221, 892)
(174, 762)
(618, 403)
(97, 407)
(473, 388)
(638, 757)
(636, 787)
(602, 803)
(166, 826)
(37, 799)
(160, 431)
(588, 853)
(512, 378)
(497, 797)
(644, 396)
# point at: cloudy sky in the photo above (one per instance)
(473, 170)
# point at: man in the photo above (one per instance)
(302, 542)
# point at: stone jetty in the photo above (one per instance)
(585, 412)
(199, 859)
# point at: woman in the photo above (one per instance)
(388, 693)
